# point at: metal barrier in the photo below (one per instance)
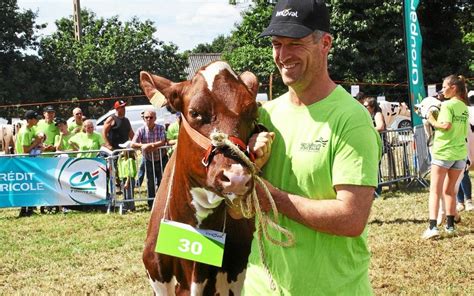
(403, 157)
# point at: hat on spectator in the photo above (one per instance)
(119, 104)
(59, 120)
(30, 114)
(298, 18)
(48, 108)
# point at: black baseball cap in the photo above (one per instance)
(59, 120)
(30, 114)
(48, 108)
(298, 18)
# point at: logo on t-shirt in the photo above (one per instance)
(313, 146)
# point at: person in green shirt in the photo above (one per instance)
(26, 139)
(26, 142)
(172, 134)
(449, 153)
(48, 127)
(61, 141)
(127, 167)
(88, 140)
(322, 169)
(77, 123)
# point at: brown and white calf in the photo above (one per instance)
(215, 99)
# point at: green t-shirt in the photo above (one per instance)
(86, 142)
(451, 144)
(24, 138)
(172, 131)
(72, 126)
(127, 167)
(49, 129)
(316, 147)
(65, 146)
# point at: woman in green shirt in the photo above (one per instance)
(449, 152)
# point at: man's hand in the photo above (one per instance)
(260, 144)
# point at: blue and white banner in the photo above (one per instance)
(52, 181)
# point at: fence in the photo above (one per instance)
(405, 158)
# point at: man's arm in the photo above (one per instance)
(346, 215)
(109, 122)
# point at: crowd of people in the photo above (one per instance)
(60, 136)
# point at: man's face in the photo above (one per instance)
(77, 113)
(149, 118)
(120, 111)
(49, 116)
(300, 61)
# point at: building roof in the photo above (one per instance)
(197, 60)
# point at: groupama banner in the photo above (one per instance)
(52, 181)
(413, 42)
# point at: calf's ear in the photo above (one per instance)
(161, 91)
(251, 81)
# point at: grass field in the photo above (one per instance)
(99, 254)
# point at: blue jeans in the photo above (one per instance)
(141, 173)
(465, 188)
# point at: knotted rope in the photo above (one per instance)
(251, 206)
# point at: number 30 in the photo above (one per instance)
(186, 246)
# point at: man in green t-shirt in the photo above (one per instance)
(76, 124)
(49, 128)
(26, 143)
(322, 170)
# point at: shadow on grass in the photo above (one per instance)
(397, 221)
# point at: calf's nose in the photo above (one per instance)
(235, 180)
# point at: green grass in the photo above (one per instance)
(99, 254)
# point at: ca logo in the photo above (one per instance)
(84, 180)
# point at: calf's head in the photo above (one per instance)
(216, 99)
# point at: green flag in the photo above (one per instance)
(413, 42)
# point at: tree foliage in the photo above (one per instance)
(108, 59)
(19, 73)
(368, 43)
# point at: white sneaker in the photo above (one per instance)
(450, 231)
(469, 206)
(460, 207)
(430, 233)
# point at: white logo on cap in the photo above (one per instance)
(287, 12)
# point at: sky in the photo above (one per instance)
(186, 23)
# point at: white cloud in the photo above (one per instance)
(183, 22)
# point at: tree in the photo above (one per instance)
(19, 73)
(218, 45)
(108, 59)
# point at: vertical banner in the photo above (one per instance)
(53, 181)
(413, 43)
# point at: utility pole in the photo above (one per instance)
(77, 20)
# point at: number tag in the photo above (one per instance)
(184, 241)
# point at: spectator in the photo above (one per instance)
(172, 134)
(27, 141)
(375, 113)
(76, 125)
(127, 167)
(149, 139)
(61, 141)
(48, 127)
(117, 130)
(86, 141)
(360, 97)
(322, 169)
(449, 153)
(464, 197)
